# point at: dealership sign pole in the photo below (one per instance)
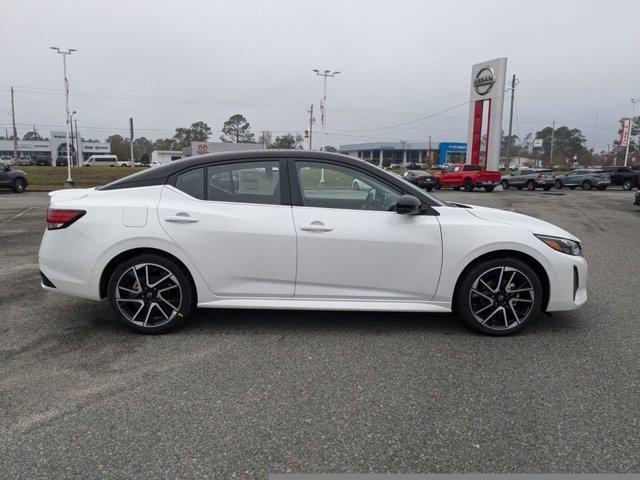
(625, 136)
(487, 87)
(69, 182)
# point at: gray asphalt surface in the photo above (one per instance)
(239, 394)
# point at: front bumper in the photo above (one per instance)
(568, 283)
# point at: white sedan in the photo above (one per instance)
(261, 230)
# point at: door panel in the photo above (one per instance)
(370, 255)
(240, 249)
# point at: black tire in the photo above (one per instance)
(504, 184)
(587, 185)
(627, 185)
(489, 189)
(558, 184)
(465, 302)
(429, 189)
(457, 189)
(184, 304)
(531, 185)
(468, 186)
(438, 186)
(19, 185)
(546, 188)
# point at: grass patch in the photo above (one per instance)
(52, 178)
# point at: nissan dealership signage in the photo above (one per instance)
(486, 100)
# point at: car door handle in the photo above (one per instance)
(181, 218)
(316, 227)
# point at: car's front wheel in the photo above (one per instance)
(19, 185)
(499, 297)
(151, 294)
(627, 185)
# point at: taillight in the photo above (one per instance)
(57, 219)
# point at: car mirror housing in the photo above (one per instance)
(408, 205)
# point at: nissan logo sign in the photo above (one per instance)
(484, 81)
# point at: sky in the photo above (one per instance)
(169, 64)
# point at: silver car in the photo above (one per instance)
(585, 178)
(529, 178)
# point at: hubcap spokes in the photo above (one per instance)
(148, 295)
(501, 298)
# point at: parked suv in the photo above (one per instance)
(529, 178)
(16, 180)
(626, 177)
(25, 161)
(585, 178)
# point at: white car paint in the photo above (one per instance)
(277, 256)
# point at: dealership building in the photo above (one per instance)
(53, 148)
(396, 153)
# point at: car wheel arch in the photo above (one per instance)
(134, 252)
(535, 265)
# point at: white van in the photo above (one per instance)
(105, 161)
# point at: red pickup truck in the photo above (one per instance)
(461, 175)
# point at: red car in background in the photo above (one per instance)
(469, 177)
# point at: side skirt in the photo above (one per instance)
(328, 304)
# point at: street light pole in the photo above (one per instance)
(69, 182)
(633, 112)
(323, 107)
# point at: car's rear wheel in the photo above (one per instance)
(468, 186)
(627, 185)
(499, 297)
(558, 184)
(19, 185)
(505, 184)
(438, 186)
(151, 294)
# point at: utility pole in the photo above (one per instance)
(513, 88)
(553, 135)
(131, 142)
(323, 104)
(633, 113)
(15, 132)
(69, 182)
(311, 120)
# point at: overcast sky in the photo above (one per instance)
(171, 63)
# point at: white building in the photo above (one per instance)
(53, 148)
(161, 157)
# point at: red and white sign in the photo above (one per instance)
(625, 134)
(306, 133)
(202, 149)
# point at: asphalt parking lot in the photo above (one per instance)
(241, 393)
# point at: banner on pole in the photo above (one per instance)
(625, 133)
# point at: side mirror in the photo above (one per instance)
(408, 205)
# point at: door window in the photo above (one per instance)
(246, 182)
(333, 186)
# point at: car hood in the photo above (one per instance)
(532, 224)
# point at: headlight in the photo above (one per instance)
(563, 245)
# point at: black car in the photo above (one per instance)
(62, 161)
(16, 180)
(627, 178)
(420, 179)
(43, 162)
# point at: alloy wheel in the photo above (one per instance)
(501, 298)
(148, 295)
